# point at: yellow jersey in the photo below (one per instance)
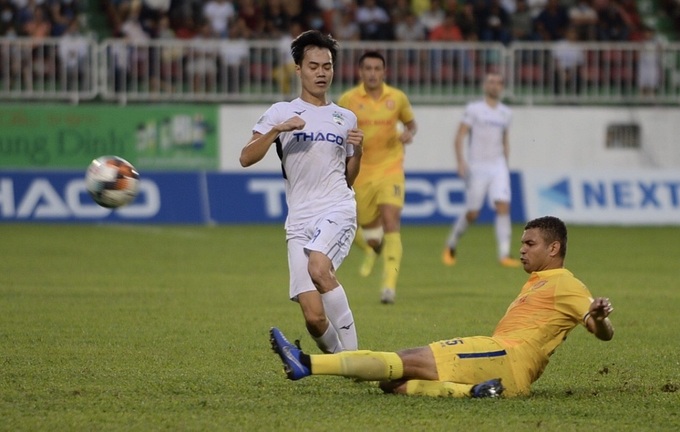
(378, 119)
(550, 304)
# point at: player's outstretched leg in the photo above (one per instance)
(289, 354)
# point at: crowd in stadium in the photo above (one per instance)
(401, 20)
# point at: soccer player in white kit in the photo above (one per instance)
(485, 171)
(320, 149)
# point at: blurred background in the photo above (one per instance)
(175, 87)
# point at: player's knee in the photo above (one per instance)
(373, 236)
(323, 277)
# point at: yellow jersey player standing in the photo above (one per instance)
(548, 307)
(381, 110)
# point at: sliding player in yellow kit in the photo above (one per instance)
(550, 304)
(379, 187)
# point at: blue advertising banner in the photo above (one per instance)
(57, 196)
(431, 198)
(199, 197)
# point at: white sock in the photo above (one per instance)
(503, 235)
(329, 342)
(340, 315)
(457, 231)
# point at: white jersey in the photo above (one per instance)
(487, 125)
(313, 159)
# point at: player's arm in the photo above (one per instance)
(463, 131)
(506, 145)
(597, 320)
(259, 143)
(355, 137)
(410, 129)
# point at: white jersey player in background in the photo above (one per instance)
(486, 174)
(320, 150)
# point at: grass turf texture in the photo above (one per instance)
(166, 328)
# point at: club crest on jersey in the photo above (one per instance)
(338, 118)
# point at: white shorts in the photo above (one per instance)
(332, 234)
(490, 181)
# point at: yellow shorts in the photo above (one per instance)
(385, 190)
(472, 360)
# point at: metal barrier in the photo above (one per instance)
(262, 71)
(53, 68)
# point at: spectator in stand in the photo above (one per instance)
(74, 57)
(346, 28)
(276, 20)
(131, 28)
(302, 11)
(448, 30)
(41, 67)
(610, 23)
(583, 19)
(569, 61)
(649, 64)
(39, 26)
(631, 15)
(186, 27)
(494, 23)
(284, 71)
(8, 19)
(433, 16)
(219, 14)
(465, 19)
(170, 55)
(234, 54)
(398, 9)
(201, 65)
(409, 28)
(522, 23)
(251, 14)
(374, 21)
(62, 13)
(552, 22)
(536, 6)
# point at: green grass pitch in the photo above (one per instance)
(142, 328)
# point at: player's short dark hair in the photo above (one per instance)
(312, 38)
(552, 229)
(371, 54)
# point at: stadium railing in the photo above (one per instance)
(262, 71)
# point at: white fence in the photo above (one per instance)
(260, 71)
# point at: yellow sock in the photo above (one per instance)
(437, 388)
(364, 365)
(391, 252)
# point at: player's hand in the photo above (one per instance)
(293, 123)
(355, 137)
(600, 308)
(406, 136)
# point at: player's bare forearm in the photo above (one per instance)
(409, 133)
(257, 148)
(259, 143)
(353, 164)
(598, 322)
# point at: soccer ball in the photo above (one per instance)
(112, 181)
